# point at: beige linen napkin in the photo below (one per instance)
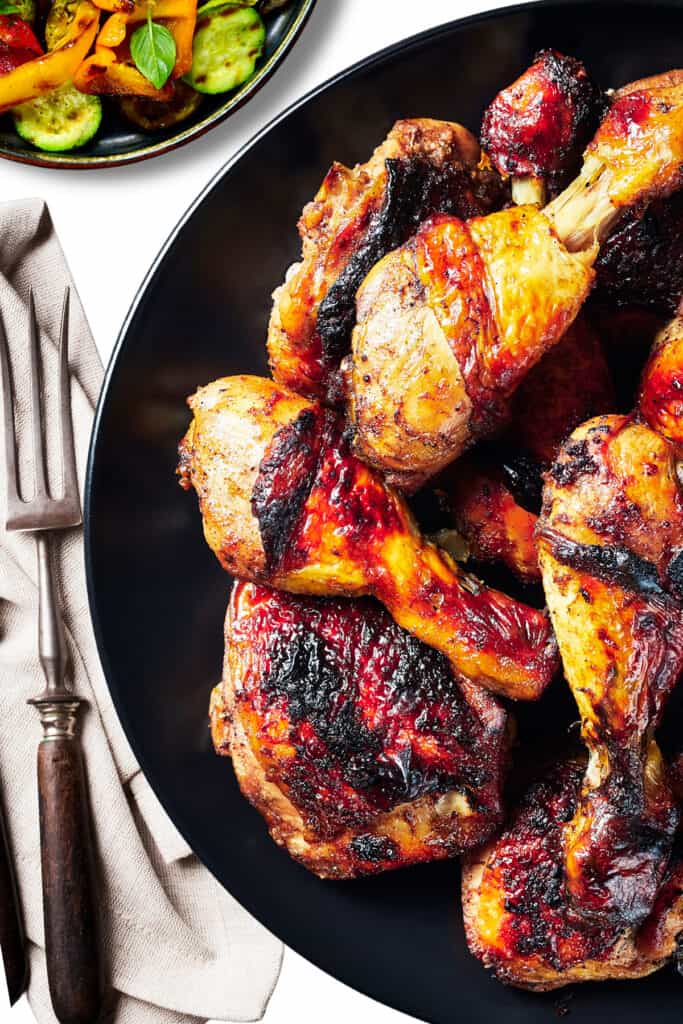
(178, 947)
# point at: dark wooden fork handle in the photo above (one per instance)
(72, 939)
(11, 930)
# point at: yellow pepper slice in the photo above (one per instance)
(41, 75)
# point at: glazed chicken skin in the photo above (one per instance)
(611, 554)
(518, 916)
(536, 129)
(357, 743)
(661, 396)
(495, 507)
(423, 167)
(449, 324)
(285, 502)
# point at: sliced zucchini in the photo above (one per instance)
(58, 20)
(152, 116)
(212, 5)
(227, 43)
(60, 120)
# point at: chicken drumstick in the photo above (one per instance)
(285, 502)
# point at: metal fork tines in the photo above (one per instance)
(42, 511)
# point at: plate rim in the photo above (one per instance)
(373, 60)
(183, 138)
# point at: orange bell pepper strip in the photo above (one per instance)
(182, 30)
(41, 75)
(105, 74)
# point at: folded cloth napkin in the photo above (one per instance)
(178, 947)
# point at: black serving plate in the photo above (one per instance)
(120, 142)
(158, 595)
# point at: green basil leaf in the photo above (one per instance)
(8, 8)
(153, 50)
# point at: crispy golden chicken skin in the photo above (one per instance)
(285, 502)
(635, 157)
(423, 167)
(448, 326)
(611, 553)
(519, 920)
(357, 743)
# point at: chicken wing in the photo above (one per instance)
(285, 502)
(423, 167)
(611, 554)
(357, 743)
(535, 130)
(661, 396)
(519, 920)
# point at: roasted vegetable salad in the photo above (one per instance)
(154, 59)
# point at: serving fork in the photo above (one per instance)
(74, 963)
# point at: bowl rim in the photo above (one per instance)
(86, 163)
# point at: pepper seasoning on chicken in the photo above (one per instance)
(358, 744)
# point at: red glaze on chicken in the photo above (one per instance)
(519, 919)
(538, 126)
(356, 742)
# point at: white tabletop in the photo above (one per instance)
(112, 223)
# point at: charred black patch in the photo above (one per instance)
(641, 263)
(373, 849)
(284, 481)
(611, 564)
(674, 574)
(577, 462)
(522, 476)
(416, 188)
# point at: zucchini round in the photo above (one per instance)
(60, 120)
(59, 18)
(25, 9)
(152, 116)
(228, 42)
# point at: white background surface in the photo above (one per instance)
(112, 223)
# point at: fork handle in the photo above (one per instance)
(72, 940)
(11, 930)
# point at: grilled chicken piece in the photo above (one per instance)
(422, 167)
(285, 502)
(611, 554)
(661, 397)
(494, 525)
(519, 920)
(490, 509)
(535, 130)
(358, 744)
(449, 324)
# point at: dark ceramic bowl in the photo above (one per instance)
(157, 594)
(120, 142)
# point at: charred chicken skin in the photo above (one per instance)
(519, 919)
(285, 502)
(494, 508)
(423, 167)
(536, 129)
(661, 397)
(356, 742)
(611, 554)
(449, 324)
